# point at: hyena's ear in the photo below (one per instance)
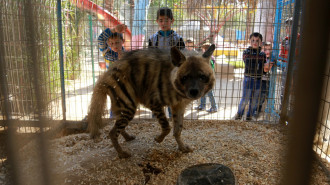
(209, 51)
(177, 57)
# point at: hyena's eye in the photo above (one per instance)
(183, 79)
(203, 78)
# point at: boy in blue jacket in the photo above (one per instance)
(165, 38)
(111, 42)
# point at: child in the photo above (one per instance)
(111, 42)
(284, 54)
(166, 38)
(210, 94)
(190, 44)
(254, 60)
(265, 77)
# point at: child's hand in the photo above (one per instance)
(268, 66)
(102, 65)
(120, 28)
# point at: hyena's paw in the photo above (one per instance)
(123, 154)
(185, 149)
(162, 136)
(95, 135)
(97, 139)
(159, 138)
(129, 138)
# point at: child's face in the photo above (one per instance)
(255, 42)
(190, 45)
(115, 44)
(164, 23)
(268, 51)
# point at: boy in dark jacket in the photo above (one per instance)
(254, 60)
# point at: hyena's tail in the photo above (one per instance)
(96, 108)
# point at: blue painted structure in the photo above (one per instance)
(270, 109)
(240, 35)
(61, 55)
(140, 16)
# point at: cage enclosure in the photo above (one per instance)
(266, 117)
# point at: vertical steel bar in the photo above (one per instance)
(291, 57)
(10, 140)
(312, 61)
(60, 44)
(34, 63)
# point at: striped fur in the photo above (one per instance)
(153, 78)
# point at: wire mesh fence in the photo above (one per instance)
(50, 58)
(226, 24)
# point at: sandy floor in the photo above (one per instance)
(253, 151)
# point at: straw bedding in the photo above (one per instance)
(255, 152)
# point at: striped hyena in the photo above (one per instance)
(155, 79)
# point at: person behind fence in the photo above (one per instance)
(190, 44)
(264, 90)
(284, 54)
(110, 43)
(166, 38)
(254, 60)
(210, 94)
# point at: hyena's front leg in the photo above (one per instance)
(158, 111)
(177, 128)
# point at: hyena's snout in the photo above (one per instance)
(194, 93)
(194, 89)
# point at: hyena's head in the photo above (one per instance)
(192, 76)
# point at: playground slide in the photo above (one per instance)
(105, 17)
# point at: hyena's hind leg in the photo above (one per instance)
(128, 137)
(122, 120)
(158, 111)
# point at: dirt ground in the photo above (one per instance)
(253, 151)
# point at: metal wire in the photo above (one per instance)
(68, 61)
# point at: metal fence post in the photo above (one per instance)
(308, 90)
(272, 85)
(291, 57)
(60, 44)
